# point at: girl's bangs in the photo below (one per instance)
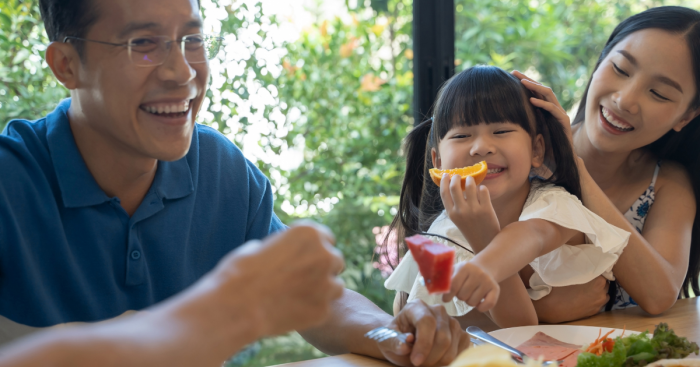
(482, 95)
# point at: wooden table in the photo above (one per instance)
(683, 318)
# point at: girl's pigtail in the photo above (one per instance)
(561, 160)
(407, 221)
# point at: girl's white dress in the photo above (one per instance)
(567, 265)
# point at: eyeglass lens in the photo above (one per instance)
(153, 50)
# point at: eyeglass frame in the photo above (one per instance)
(127, 44)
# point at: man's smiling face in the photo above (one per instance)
(125, 103)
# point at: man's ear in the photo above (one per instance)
(538, 151)
(689, 116)
(64, 62)
(436, 158)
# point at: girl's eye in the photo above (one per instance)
(503, 131)
(618, 70)
(659, 96)
(460, 136)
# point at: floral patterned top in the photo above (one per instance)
(637, 215)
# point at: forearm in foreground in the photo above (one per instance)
(351, 317)
(184, 331)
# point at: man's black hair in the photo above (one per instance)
(64, 18)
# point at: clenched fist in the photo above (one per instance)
(291, 277)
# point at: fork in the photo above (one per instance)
(479, 334)
(383, 333)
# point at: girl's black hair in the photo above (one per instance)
(680, 146)
(478, 95)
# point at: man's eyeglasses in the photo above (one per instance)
(153, 50)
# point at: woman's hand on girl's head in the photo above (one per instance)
(470, 210)
(546, 100)
(473, 285)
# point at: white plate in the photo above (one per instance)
(579, 335)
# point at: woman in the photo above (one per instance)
(637, 135)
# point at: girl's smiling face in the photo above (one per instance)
(507, 148)
(641, 90)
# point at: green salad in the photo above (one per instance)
(637, 350)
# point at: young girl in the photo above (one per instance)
(525, 211)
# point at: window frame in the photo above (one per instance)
(433, 52)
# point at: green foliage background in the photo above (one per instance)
(340, 97)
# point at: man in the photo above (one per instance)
(214, 318)
(118, 200)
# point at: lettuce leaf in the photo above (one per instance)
(616, 358)
(640, 349)
(670, 345)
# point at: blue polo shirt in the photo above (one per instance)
(69, 252)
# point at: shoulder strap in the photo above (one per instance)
(656, 173)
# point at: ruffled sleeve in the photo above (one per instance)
(572, 264)
(401, 279)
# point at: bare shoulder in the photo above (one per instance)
(674, 178)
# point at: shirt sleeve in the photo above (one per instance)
(578, 263)
(401, 279)
(262, 220)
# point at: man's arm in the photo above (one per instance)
(235, 304)
(437, 337)
(351, 317)
(161, 336)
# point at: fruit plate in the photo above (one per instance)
(574, 334)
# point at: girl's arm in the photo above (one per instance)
(653, 265)
(512, 249)
(514, 308)
(475, 218)
(518, 244)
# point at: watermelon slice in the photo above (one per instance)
(435, 262)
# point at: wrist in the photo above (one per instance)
(477, 239)
(218, 308)
(488, 270)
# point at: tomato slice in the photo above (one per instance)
(608, 345)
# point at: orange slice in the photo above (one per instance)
(478, 171)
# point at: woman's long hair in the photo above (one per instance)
(683, 146)
(478, 95)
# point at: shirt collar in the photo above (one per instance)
(79, 189)
(173, 179)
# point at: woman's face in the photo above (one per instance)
(640, 91)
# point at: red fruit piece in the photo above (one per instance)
(435, 262)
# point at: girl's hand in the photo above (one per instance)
(470, 210)
(473, 285)
(547, 101)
